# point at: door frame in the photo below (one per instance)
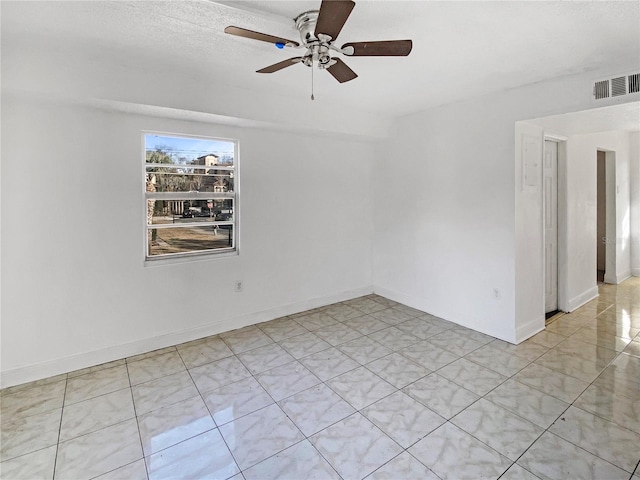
(563, 253)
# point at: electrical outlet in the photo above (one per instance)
(238, 285)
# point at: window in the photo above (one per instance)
(191, 196)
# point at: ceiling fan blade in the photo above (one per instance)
(280, 65)
(332, 17)
(386, 48)
(243, 32)
(341, 71)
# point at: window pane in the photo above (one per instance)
(184, 179)
(190, 211)
(163, 149)
(196, 238)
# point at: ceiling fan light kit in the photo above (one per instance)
(318, 32)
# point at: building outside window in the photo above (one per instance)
(191, 196)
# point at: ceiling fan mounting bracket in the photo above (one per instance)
(306, 25)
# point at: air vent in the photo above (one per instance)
(617, 86)
(634, 83)
(601, 89)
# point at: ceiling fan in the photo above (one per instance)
(318, 32)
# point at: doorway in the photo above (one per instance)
(550, 192)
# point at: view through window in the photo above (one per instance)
(190, 195)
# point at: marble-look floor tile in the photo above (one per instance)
(316, 320)
(394, 339)
(441, 395)
(454, 454)
(162, 392)
(527, 350)
(566, 326)
(454, 343)
(527, 402)
(547, 339)
(620, 409)
(172, 424)
(259, 435)
(303, 345)
(265, 358)
(617, 385)
(366, 324)
(412, 312)
(355, 447)
(29, 385)
(38, 464)
(551, 457)
(96, 413)
(329, 363)
(428, 355)
(203, 456)
(553, 383)
(392, 316)
(96, 383)
(516, 472)
(404, 419)
(28, 434)
(420, 328)
(627, 367)
(337, 334)
(600, 437)
(31, 401)
(96, 368)
(133, 471)
(437, 321)
(245, 339)
(473, 335)
(360, 387)
(601, 339)
(203, 351)
(633, 348)
(315, 409)
(300, 461)
(383, 300)
(498, 360)
(343, 312)
(286, 380)
(99, 452)
(367, 305)
(472, 376)
(399, 371)
(217, 374)
(585, 369)
(155, 367)
(282, 328)
(502, 430)
(364, 350)
(404, 466)
(150, 354)
(236, 400)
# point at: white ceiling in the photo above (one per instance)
(461, 49)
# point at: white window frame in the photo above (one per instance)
(234, 249)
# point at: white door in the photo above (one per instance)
(550, 182)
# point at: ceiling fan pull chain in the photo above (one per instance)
(312, 97)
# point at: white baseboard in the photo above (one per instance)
(419, 304)
(529, 329)
(71, 363)
(583, 298)
(622, 277)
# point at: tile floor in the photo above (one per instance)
(364, 388)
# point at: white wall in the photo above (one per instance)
(581, 164)
(75, 290)
(634, 166)
(445, 217)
